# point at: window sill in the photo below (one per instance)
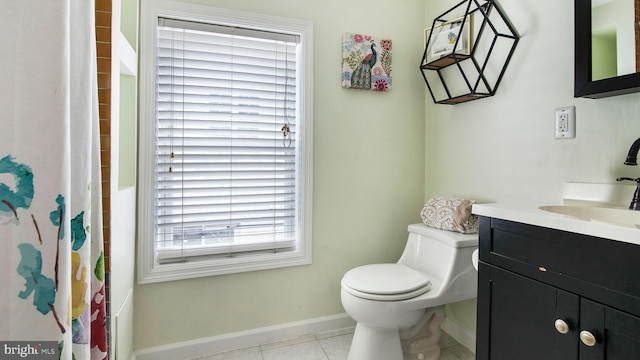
(236, 264)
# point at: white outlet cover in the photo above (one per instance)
(565, 122)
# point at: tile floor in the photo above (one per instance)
(332, 345)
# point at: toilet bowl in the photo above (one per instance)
(435, 269)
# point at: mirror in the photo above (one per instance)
(613, 38)
(602, 28)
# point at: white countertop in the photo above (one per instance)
(531, 214)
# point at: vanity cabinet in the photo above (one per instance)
(546, 294)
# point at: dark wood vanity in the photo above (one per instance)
(547, 294)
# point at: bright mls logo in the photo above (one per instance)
(30, 350)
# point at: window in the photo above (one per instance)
(225, 142)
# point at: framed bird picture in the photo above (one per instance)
(366, 62)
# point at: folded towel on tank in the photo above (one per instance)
(453, 214)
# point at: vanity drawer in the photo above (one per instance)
(601, 269)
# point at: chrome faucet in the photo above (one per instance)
(632, 159)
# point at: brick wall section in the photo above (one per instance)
(103, 52)
(103, 47)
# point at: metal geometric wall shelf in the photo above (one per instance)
(467, 52)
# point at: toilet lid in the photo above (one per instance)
(380, 281)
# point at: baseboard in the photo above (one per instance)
(460, 334)
(243, 339)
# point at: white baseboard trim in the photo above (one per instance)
(460, 334)
(243, 339)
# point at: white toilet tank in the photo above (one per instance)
(444, 256)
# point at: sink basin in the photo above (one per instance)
(612, 215)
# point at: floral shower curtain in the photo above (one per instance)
(51, 260)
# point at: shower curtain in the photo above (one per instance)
(51, 260)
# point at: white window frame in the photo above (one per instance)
(149, 271)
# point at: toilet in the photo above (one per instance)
(434, 269)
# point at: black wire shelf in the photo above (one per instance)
(467, 50)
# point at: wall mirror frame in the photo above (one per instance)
(584, 85)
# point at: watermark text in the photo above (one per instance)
(29, 350)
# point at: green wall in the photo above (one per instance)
(378, 157)
(369, 162)
(502, 149)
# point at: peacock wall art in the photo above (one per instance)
(366, 62)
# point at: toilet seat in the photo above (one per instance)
(386, 282)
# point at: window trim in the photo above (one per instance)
(148, 270)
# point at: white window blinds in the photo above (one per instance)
(226, 159)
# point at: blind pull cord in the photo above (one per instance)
(286, 140)
(286, 132)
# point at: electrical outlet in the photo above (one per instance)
(565, 121)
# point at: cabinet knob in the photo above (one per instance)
(587, 338)
(561, 326)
